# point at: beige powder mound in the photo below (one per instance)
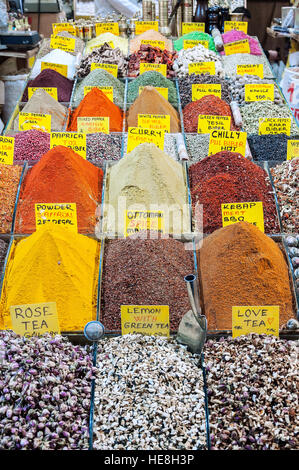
(41, 102)
(148, 179)
(151, 102)
(153, 36)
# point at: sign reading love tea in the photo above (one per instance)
(259, 319)
(56, 214)
(140, 135)
(191, 27)
(208, 123)
(154, 121)
(35, 319)
(231, 141)
(138, 221)
(251, 212)
(73, 140)
(41, 122)
(7, 150)
(145, 319)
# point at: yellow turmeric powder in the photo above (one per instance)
(53, 265)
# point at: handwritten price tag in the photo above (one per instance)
(35, 319)
(251, 212)
(111, 68)
(7, 150)
(139, 135)
(189, 43)
(56, 214)
(142, 26)
(63, 43)
(161, 68)
(251, 69)
(41, 122)
(190, 27)
(231, 141)
(74, 140)
(202, 67)
(60, 68)
(259, 319)
(92, 125)
(236, 25)
(293, 149)
(51, 91)
(145, 319)
(107, 90)
(259, 92)
(199, 90)
(101, 28)
(150, 42)
(154, 121)
(208, 123)
(237, 47)
(137, 221)
(274, 126)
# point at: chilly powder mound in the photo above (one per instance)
(30, 145)
(9, 181)
(57, 265)
(76, 181)
(151, 102)
(96, 104)
(208, 105)
(133, 274)
(228, 177)
(49, 78)
(240, 265)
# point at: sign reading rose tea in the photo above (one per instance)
(35, 319)
(145, 319)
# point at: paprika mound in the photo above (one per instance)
(240, 265)
(61, 176)
(96, 104)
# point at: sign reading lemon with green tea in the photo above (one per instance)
(231, 141)
(138, 221)
(154, 121)
(40, 122)
(74, 140)
(63, 214)
(292, 149)
(7, 150)
(35, 319)
(64, 43)
(274, 126)
(251, 212)
(140, 135)
(259, 319)
(145, 319)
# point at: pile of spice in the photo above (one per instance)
(194, 36)
(196, 54)
(104, 55)
(230, 63)
(240, 265)
(228, 177)
(237, 88)
(132, 271)
(150, 35)
(170, 145)
(117, 41)
(45, 47)
(149, 178)
(269, 147)
(3, 251)
(97, 104)
(30, 145)
(285, 178)
(76, 180)
(45, 388)
(234, 35)
(150, 101)
(103, 147)
(57, 265)
(9, 181)
(252, 385)
(154, 79)
(151, 55)
(197, 146)
(41, 102)
(210, 105)
(185, 86)
(158, 403)
(100, 78)
(49, 78)
(56, 56)
(252, 112)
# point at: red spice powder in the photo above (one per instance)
(96, 104)
(210, 105)
(61, 176)
(229, 177)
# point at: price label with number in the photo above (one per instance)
(259, 92)
(74, 140)
(274, 126)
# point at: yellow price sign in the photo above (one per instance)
(140, 135)
(161, 68)
(202, 67)
(259, 319)
(259, 92)
(41, 122)
(101, 28)
(191, 27)
(251, 212)
(163, 91)
(64, 43)
(251, 69)
(189, 43)
(231, 141)
(60, 68)
(138, 221)
(111, 68)
(70, 28)
(93, 125)
(208, 123)
(237, 47)
(63, 214)
(107, 90)
(142, 26)
(292, 151)
(35, 319)
(236, 25)
(274, 126)
(7, 145)
(154, 121)
(145, 319)
(199, 90)
(150, 42)
(52, 91)
(74, 140)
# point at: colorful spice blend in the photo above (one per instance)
(185, 86)
(151, 55)
(233, 36)
(53, 265)
(61, 176)
(240, 265)
(145, 272)
(101, 147)
(30, 145)
(104, 55)
(151, 102)
(210, 105)
(9, 181)
(229, 177)
(97, 104)
(49, 78)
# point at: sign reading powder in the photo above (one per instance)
(40, 122)
(56, 214)
(35, 319)
(251, 212)
(7, 150)
(231, 141)
(137, 221)
(140, 135)
(74, 140)
(259, 319)
(145, 319)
